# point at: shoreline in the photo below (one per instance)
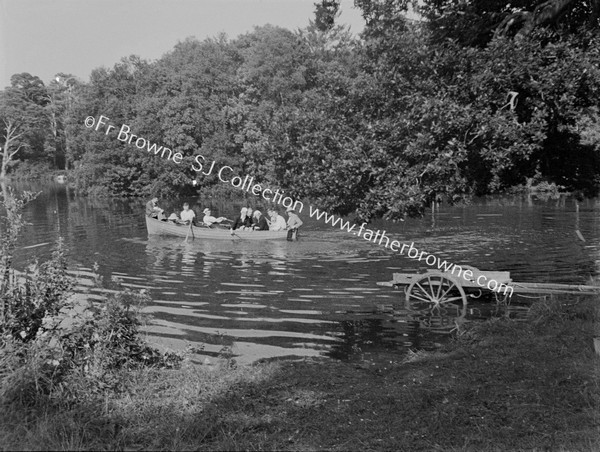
(500, 385)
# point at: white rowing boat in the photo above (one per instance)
(157, 227)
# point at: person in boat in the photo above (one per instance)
(277, 222)
(293, 223)
(152, 209)
(270, 217)
(187, 215)
(173, 218)
(209, 220)
(249, 222)
(259, 221)
(241, 222)
(253, 219)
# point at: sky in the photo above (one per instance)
(45, 37)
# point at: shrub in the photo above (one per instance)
(56, 345)
(28, 298)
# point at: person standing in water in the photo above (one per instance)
(294, 222)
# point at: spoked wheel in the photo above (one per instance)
(435, 292)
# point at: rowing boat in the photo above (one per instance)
(157, 227)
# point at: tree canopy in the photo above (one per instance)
(476, 98)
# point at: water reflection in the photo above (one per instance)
(317, 296)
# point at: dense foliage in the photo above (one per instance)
(52, 343)
(477, 98)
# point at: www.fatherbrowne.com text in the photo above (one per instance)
(247, 184)
(381, 238)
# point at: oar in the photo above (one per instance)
(221, 225)
(233, 234)
(188, 232)
(579, 234)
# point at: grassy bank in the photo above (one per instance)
(502, 385)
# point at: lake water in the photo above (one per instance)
(315, 297)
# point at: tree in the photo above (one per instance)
(439, 118)
(522, 23)
(476, 22)
(43, 115)
(31, 86)
(325, 14)
(381, 126)
(24, 104)
(61, 97)
(11, 145)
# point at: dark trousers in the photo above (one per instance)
(292, 233)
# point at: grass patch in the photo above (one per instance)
(501, 385)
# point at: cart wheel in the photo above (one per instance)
(434, 290)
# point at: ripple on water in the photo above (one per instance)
(241, 284)
(186, 312)
(328, 278)
(240, 332)
(301, 311)
(284, 319)
(176, 302)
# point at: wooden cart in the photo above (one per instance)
(436, 289)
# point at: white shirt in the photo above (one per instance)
(278, 224)
(187, 215)
(294, 221)
(209, 219)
